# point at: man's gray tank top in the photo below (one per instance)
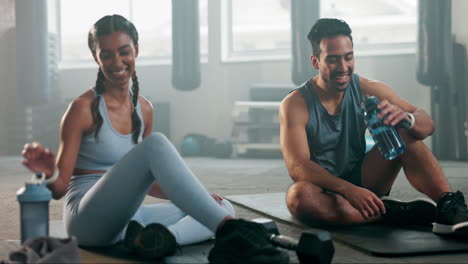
(336, 142)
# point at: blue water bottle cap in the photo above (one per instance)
(34, 191)
(370, 102)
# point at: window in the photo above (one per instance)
(153, 20)
(377, 24)
(257, 28)
(261, 29)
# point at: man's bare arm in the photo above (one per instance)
(396, 108)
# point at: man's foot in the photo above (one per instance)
(152, 241)
(241, 241)
(452, 215)
(419, 211)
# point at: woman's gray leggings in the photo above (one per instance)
(98, 208)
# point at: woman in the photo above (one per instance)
(109, 159)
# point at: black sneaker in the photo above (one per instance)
(240, 241)
(452, 215)
(419, 211)
(152, 241)
(133, 229)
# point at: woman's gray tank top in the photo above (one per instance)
(110, 147)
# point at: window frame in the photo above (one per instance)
(90, 63)
(229, 55)
(227, 51)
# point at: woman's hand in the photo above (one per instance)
(37, 158)
(217, 198)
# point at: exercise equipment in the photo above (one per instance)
(434, 50)
(185, 45)
(380, 240)
(190, 146)
(438, 60)
(314, 245)
(201, 145)
(221, 148)
(32, 56)
(304, 13)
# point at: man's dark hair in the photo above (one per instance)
(327, 28)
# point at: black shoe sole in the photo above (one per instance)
(423, 212)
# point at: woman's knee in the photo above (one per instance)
(156, 142)
(157, 138)
(228, 206)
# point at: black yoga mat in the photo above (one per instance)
(372, 238)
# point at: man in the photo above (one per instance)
(323, 144)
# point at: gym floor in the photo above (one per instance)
(234, 177)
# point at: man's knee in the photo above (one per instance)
(409, 139)
(417, 148)
(300, 199)
(310, 204)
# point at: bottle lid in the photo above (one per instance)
(370, 102)
(34, 190)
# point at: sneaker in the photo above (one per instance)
(133, 229)
(241, 241)
(150, 242)
(452, 215)
(419, 211)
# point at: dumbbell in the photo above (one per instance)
(314, 246)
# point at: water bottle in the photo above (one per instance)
(34, 199)
(387, 138)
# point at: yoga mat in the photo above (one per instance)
(371, 238)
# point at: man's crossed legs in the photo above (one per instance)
(311, 203)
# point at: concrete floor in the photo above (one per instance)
(231, 177)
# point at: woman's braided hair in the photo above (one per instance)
(106, 26)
